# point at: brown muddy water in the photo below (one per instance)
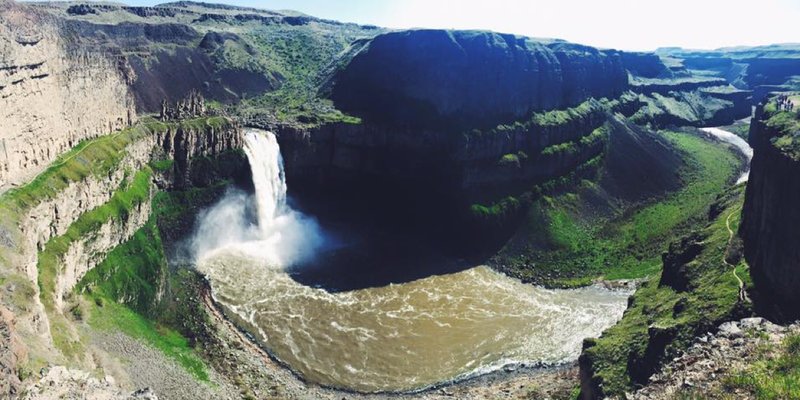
(407, 336)
(368, 334)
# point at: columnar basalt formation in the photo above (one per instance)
(192, 106)
(52, 94)
(770, 214)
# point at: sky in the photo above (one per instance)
(621, 24)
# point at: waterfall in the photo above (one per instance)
(282, 236)
(266, 165)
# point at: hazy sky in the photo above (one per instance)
(623, 24)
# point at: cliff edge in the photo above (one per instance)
(770, 214)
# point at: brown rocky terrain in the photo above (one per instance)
(45, 84)
(699, 371)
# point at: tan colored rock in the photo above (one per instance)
(52, 94)
(62, 383)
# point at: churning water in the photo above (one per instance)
(391, 338)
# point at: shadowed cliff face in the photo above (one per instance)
(471, 79)
(770, 217)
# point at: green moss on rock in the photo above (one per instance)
(129, 196)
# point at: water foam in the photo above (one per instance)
(397, 337)
(280, 235)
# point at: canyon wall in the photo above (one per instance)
(473, 161)
(52, 94)
(438, 78)
(53, 217)
(769, 225)
(761, 69)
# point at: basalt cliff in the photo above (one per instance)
(770, 210)
(119, 125)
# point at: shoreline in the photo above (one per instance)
(518, 377)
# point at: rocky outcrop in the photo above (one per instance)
(701, 369)
(63, 383)
(761, 69)
(52, 217)
(665, 86)
(12, 354)
(192, 106)
(471, 162)
(87, 252)
(770, 224)
(45, 85)
(647, 65)
(467, 79)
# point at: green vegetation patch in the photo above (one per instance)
(132, 274)
(134, 292)
(109, 316)
(499, 212)
(555, 118)
(787, 124)
(564, 247)
(513, 159)
(775, 374)
(300, 56)
(574, 147)
(96, 157)
(679, 108)
(129, 196)
(693, 296)
(740, 129)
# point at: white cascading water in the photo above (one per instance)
(266, 164)
(402, 336)
(280, 235)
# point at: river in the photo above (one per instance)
(395, 337)
(739, 143)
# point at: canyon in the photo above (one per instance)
(224, 192)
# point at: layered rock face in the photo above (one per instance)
(770, 216)
(468, 162)
(49, 219)
(762, 69)
(52, 94)
(466, 79)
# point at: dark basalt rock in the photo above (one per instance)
(146, 12)
(459, 79)
(770, 224)
(214, 40)
(647, 65)
(680, 253)
(81, 9)
(659, 338)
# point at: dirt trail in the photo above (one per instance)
(742, 293)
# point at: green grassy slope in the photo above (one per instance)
(568, 247)
(696, 292)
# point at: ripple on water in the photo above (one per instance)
(411, 335)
